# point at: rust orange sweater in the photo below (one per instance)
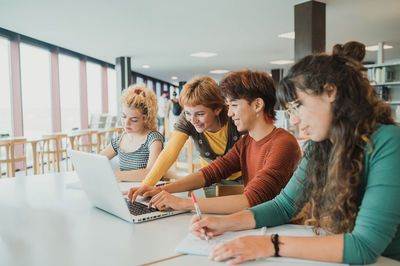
(267, 165)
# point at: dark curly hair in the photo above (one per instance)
(250, 85)
(332, 183)
(353, 49)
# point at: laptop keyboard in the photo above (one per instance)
(137, 208)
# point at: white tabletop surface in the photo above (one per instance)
(48, 220)
(198, 260)
(43, 222)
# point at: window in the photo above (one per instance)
(113, 94)
(36, 93)
(94, 89)
(150, 85)
(5, 88)
(171, 91)
(139, 80)
(158, 89)
(69, 93)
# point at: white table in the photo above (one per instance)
(44, 222)
(198, 260)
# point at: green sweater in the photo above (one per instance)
(376, 230)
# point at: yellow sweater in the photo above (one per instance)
(170, 153)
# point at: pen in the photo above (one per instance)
(196, 206)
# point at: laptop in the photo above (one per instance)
(101, 186)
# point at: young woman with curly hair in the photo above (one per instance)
(140, 144)
(350, 172)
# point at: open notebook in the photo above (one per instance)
(193, 245)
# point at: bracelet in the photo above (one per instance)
(275, 241)
(160, 188)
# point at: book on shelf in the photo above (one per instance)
(389, 76)
(383, 92)
(377, 75)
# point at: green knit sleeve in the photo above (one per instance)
(376, 232)
(281, 209)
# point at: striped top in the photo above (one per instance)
(136, 159)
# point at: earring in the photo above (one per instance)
(257, 114)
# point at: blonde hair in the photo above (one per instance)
(203, 90)
(142, 99)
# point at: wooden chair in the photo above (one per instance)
(102, 121)
(111, 121)
(94, 121)
(53, 146)
(100, 142)
(84, 140)
(104, 137)
(188, 164)
(9, 146)
(183, 168)
(226, 190)
(35, 153)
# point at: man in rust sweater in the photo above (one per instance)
(267, 156)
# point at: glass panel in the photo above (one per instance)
(139, 80)
(158, 89)
(113, 95)
(171, 91)
(94, 91)
(5, 88)
(150, 85)
(69, 93)
(36, 93)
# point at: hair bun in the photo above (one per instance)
(337, 49)
(353, 49)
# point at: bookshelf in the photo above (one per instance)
(386, 78)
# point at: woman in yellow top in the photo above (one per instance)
(205, 119)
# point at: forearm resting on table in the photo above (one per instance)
(223, 205)
(321, 248)
(166, 158)
(242, 220)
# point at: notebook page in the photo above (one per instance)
(193, 245)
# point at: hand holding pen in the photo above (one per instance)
(196, 207)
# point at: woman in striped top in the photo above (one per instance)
(140, 144)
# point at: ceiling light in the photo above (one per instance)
(375, 47)
(219, 71)
(174, 77)
(146, 66)
(203, 54)
(287, 35)
(282, 62)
